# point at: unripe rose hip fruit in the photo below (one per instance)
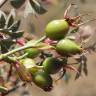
(52, 65)
(31, 52)
(67, 47)
(43, 80)
(57, 29)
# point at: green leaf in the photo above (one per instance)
(14, 35)
(5, 45)
(15, 26)
(28, 9)
(6, 31)
(2, 19)
(17, 34)
(37, 7)
(17, 3)
(3, 89)
(3, 48)
(7, 42)
(10, 19)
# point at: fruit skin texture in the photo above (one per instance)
(52, 65)
(57, 29)
(43, 80)
(67, 47)
(32, 52)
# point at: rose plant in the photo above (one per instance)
(22, 55)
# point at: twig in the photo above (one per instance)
(22, 48)
(2, 2)
(9, 73)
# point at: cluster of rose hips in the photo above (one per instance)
(50, 63)
(47, 56)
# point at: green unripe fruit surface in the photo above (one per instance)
(32, 52)
(52, 65)
(57, 29)
(67, 47)
(43, 80)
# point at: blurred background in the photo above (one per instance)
(84, 86)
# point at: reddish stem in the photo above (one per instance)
(10, 72)
(21, 41)
(71, 68)
(49, 41)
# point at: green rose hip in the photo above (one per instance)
(67, 47)
(52, 65)
(57, 29)
(43, 80)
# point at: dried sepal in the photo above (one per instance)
(79, 70)
(23, 73)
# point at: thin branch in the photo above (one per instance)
(2, 2)
(22, 48)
